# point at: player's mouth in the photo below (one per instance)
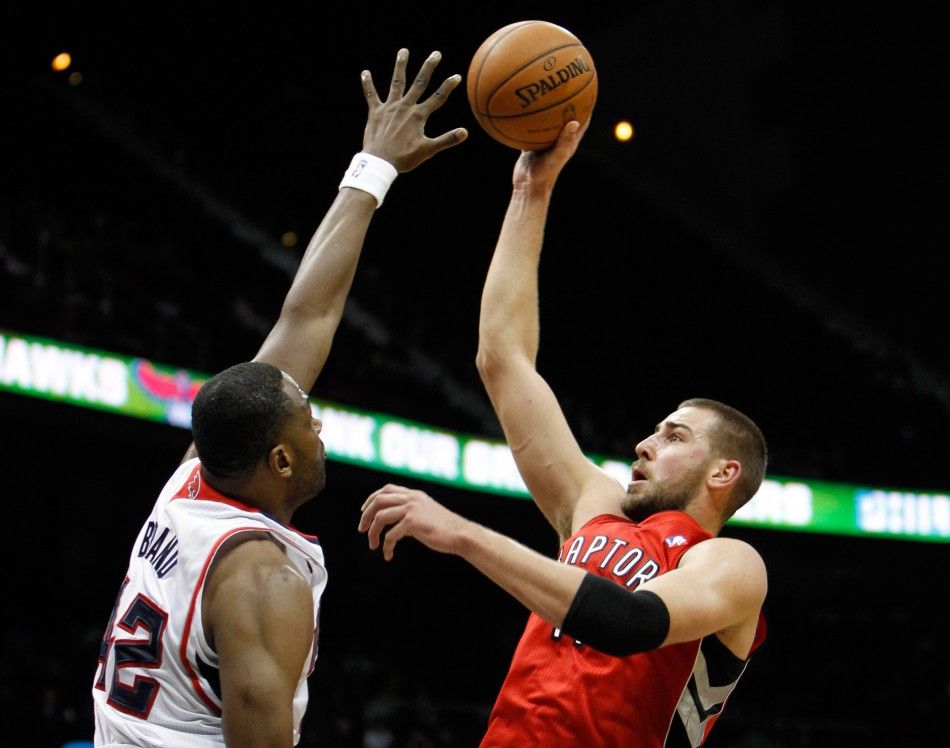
(636, 476)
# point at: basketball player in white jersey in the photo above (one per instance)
(213, 633)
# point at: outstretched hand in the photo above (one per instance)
(395, 127)
(394, 512)
(541, 168)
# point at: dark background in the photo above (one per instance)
(774, 236)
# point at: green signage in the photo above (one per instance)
(52, 370)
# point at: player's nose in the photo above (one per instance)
(644, 450)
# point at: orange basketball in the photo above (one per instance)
(527, 80)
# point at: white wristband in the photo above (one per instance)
(370, 174)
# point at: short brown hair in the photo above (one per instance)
(737, 437)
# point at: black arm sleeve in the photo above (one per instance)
(608, 617)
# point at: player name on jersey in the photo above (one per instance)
(629, 564)
(160, 549)
(630, 567)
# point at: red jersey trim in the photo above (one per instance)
(186, 632)
(196, 487)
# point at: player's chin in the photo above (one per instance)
(635, 509)
(319, 484)
(316, 484)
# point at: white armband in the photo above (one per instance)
(370, 174)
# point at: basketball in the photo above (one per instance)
(527, 80)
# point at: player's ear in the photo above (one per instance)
(724, 474)
(278, 460)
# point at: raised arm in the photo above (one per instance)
(300, 341)
(567, 487)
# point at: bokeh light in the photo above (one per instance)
(61, 62)
(623, 131)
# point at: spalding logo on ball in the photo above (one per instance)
(527, 80)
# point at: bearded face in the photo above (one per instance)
(672, 464)
(641, 501)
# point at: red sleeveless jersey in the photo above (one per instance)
(560, 692)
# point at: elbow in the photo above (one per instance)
(296, 310)
(498, 352)
(503, 369)
(299, 307)
(485, 361)
(492, 362)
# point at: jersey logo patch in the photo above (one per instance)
(194, 485)
(675, 540)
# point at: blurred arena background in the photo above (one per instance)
(773, 235)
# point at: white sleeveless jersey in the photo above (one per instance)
(157, 680)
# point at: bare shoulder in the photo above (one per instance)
(731, 551)
(253, 585)
(256, 566)
(732, 561)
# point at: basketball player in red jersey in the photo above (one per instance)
(213, 633)
(642, 627)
